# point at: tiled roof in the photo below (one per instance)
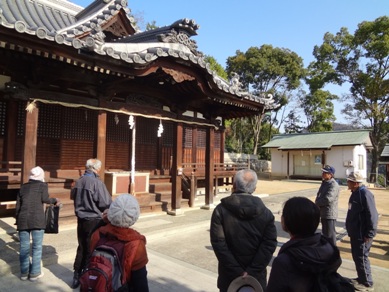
(321, 140)
(385, 151)
(68, 24)
(59, 20)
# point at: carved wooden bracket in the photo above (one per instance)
(178, 76)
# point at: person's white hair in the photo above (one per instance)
(124, 211)
(245, 181)
(93, 163)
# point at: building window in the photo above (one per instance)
(361, 165)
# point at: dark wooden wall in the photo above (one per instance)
(67, 138)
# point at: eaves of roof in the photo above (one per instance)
(320, 140)
(64, 23)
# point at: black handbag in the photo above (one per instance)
(52, 216)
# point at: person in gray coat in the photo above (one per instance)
(31, 223)
(243, 233)
(91, 198)
(327, 200)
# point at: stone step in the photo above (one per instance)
(160, 187)
(159, 178)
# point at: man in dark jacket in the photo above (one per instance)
(91, 199)
(243, 234)
(361, 225)
(327, 201)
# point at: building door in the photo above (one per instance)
(307, 164)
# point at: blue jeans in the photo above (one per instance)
(33, 267)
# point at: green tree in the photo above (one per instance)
(151, 25)
(318, 109)
(362, 61)
(264, 153)
(292, 123)
(238, 138)
(215, 66)
(267, 70)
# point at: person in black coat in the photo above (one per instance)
(243, 233)
(31, 223)
(307, 256)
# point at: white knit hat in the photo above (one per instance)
(124, 211)
(37, 173)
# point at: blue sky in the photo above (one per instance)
(227, 26)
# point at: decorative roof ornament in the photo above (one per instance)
(179, 37)
(268, 100)
(98, 35)
(235, 84)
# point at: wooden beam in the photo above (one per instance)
(177, 171)
(222, 142)
(209, 169)
(194, 144)
(101, 140)
(11, 130)
(30, 143)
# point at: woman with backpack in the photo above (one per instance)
(118, 250)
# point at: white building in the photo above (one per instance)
(303, 155)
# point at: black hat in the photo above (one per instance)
(246, 284)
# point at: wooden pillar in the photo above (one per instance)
(287, 166)
(222, 148)
(30, 143)
(222, 142)
(101, 141)
(11, 129)
(193, 189)
(194, 144)
(209, 168)
(159, 155)
(133, 151)
(177, 171)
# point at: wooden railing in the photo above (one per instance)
(220, 169)
(192, 172)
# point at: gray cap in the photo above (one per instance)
(124, 211)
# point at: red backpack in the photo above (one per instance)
(104, 271)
